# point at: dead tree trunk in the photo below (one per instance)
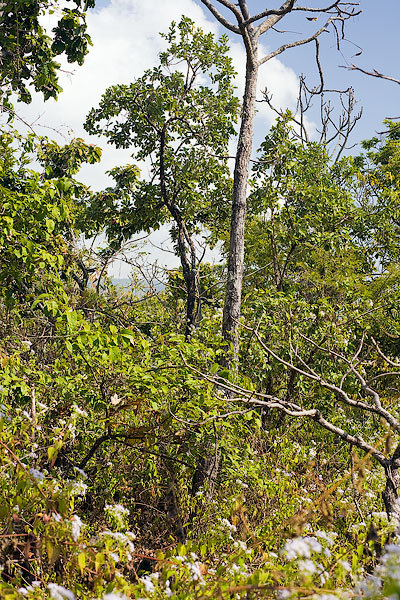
(233, 294)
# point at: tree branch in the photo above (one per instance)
(373, 73)
(294, 410)
(385, 358)
(232, 8)
(294, 44)
(283, 10)
(220, 17)
(339, 392)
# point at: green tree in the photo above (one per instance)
(379, 194)
(28, 54)
(178, 116)
(39, 211)
(301, 210)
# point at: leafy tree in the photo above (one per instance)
(379, 194)
(178, 116)
(301, 210)
(28, 54)
(38, 214)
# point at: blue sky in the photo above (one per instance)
(375, 31)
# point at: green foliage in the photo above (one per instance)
(107, 413)
(180, 115)
(29, 54)
(379, 194)
(38, 213)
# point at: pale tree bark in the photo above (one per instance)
(238, 216)
(250, 28)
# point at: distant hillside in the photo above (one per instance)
(125, 282)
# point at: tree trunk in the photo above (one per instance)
(206, 471)
(391, 493)
(230, 326)
(191, 302)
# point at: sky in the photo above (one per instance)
(126, 41)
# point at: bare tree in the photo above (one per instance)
(334, 128)
(250, 28)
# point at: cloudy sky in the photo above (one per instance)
(126, 41)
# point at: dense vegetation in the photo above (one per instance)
(135, 461)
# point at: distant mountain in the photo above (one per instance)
(125, 283)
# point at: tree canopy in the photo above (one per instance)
(29, 53)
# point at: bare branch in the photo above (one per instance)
(280, 12)
(340, 394)
(244, 10)
(351, 439)
(373, 73)
(385, 358)
(249, 397)
(220, 17)
(232, 7)
(319, 10)
(285, 47)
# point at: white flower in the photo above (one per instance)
(116, 510)
(58, 592)
(379, 516)
(371, 586)
(239, 544)
(167, 590)
(26, 344)
(148, 584)
(301, 547)
(79, 411)
(228, 525)
(307, 567)
(115, 399)
(76, 527)
(283, 594)
(38, 475)
(240, 482)
(23, 591)
(81, 472)
(328, 537)
(124, 538)
(346, 566)
(78, 488)
(392, 549)
(195, 571)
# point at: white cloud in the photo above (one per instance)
(126, 41)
